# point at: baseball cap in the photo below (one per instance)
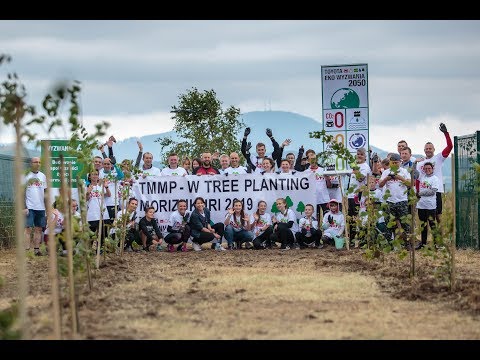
(395, 157)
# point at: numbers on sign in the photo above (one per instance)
(339, 119)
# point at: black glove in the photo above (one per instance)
(330, 219)
(247, 131)
(375, 157)
(443, 128)
(249, 146)
(269, 132)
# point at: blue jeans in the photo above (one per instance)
(241, 236)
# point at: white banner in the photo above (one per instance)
(219, 191)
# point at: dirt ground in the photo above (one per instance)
(269, 294)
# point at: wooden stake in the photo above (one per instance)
(345, 211)
(68, 241)
(20, 230)
(52, 253)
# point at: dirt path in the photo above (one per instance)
(308, 294)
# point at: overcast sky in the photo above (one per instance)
(420, 73)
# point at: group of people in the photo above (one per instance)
(390, 179)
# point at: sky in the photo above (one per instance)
(420, 73)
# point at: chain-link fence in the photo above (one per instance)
(7, 195)
(467, 190)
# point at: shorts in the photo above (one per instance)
(36, 218)
(439, 203)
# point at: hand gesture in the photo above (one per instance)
(256, 217)
(100, 147)
(269, 132)
(286, 142)
(231, 211)
(302, 149)
(140, 146)
(112, 138)
(443, 128)
(247, 132)
(249, 146)
(330, 219)
(375, 157)
(110, 143)
(105, 182)
(246, 218)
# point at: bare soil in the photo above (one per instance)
(270, 294)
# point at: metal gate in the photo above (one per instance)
(467, 190)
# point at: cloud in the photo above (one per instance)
(123, 126)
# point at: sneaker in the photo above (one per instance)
(248, 245)
(285, 248)
(170, 248)
(296, 246)
(159, 247)
(37, 252)
(419, 246)
(219, 247)
(184, 247)
(320, 246)
(230, 247)
(196, 246)
(179, 247)
(129, 249)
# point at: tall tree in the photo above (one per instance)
(203, 126)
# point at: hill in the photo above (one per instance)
(285, 125)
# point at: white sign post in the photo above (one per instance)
(345, 109)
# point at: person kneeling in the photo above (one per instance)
(149, 231)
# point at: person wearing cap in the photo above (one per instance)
(333, 223)
(396, 180)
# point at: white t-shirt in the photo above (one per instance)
(179, 171)
(398, 190)
(354, 183)
(338, 226)
(375, 196)
(335, 192)
(307, 224)
(110, 200)
(153, 171)
(235, 171)
(258, 162)
(58, 228)
(118, 220)
(265, 219)
(437, 161)
(93, 205)
(34, 192)
(236, 222)
(321, 191)
(176, 220)
(428, 202)
(285, 218)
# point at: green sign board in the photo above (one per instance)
(57, 148)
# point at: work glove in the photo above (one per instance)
(269, 132)
(247, 131)
(443, 128)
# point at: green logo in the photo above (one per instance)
(345, 98)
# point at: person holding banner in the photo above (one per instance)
(261, 226)
(206, 167)
(237, 227)
(178, 229)
(96, 208)
(202, 229)
(285, 225)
